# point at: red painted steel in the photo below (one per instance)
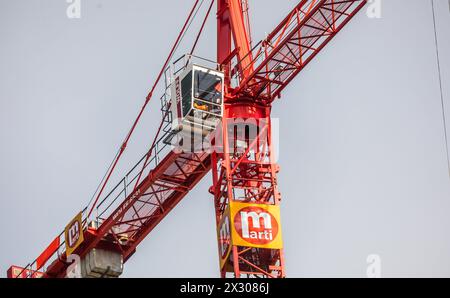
(247, 173)
(144, 208)
(19, 272)
(254, 79)
(245, 170)
(47, 253)
(309, 27)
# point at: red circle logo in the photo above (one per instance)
(256, 225)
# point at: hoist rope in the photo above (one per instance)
(147, 100)
(438, 60)
(190, 23)
(202, 27)
(147, 158)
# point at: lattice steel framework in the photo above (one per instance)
(244, 169)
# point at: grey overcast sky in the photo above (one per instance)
(362, 152)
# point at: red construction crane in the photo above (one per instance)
(232, 99)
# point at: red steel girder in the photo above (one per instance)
(293, 44)
(136, 216)
(247, 174)
(262, 74)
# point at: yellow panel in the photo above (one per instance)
(224, 237)
(74, 234)
(256, 225)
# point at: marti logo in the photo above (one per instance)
(73, 234)
(256, 225)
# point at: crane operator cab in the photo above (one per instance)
(196, 101)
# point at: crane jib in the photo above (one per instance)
(244, 173)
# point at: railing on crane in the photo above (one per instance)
(291, 46)
(275, 62)
(149, 161)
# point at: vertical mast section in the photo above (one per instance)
(244, 170)
(231, 26)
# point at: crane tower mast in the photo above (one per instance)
(243, 163)
(245, 184)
